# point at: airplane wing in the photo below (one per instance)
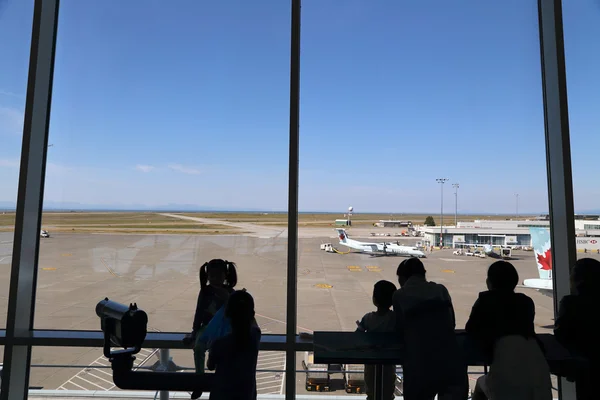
(545, 292)
(373, 246)
(544, 286)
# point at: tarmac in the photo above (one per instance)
(160, 274)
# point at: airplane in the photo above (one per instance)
(379, 248)
(540, 240)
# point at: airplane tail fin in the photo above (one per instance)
(343, 236)
(540, 241)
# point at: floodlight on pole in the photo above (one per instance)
(442, 181)
(455, 186)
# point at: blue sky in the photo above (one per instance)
(189, 104)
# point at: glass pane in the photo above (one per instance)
(333, 379)
(88, 370)
(15, 23)
(56, 368)
(396, 97)
(2, 358)
(171, 138)
(582, 57)
(270, 369)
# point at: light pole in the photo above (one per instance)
(517, 196)
(442, 181)
(455, 186)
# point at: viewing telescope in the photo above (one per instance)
(123, 326)
(126, 327)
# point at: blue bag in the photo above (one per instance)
(218, 327)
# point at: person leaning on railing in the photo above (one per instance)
(234, 356)
(382, 320)
(502, 321)
(217, 281)
(578, 321)
(434, 364)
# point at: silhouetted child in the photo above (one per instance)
(503, 322)
(217, 280)
(577, 321)
(382, 320)
(234, 356)
(433, 362)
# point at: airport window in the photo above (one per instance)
(383, 79)
(581, 21)
(1, 355)
(169, 146)
(170, 149)
(91, 371)
(15, 22)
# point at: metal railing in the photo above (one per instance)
(163, 342)
(156, 340)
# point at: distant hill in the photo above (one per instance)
(74, 206)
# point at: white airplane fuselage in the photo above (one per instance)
(384, 248)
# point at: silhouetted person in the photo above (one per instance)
(217, 280)
(234, 357)
(382, 320)
(577, 322)
(503, 322)
(434, 363)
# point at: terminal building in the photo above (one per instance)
(393, 224)
(506, 233)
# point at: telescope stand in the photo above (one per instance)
(125, 378)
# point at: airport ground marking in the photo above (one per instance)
(354, 268)
(66, 254)
(323, 286)
(78, 379)
(450, 271)
(373, 268)
(266, 381)
(282, 322)
(108, 268)
(48, 269)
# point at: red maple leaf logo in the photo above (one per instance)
(545, 260)
(341, 236)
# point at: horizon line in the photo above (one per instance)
(255, 211)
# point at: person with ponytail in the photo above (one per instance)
(233, 357)
(217, 280)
